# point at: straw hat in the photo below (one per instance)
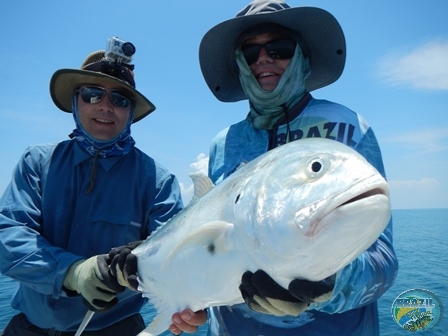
(96, 69)
(317, 29)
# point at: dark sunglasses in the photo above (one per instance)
(94, 94)
(279, 49)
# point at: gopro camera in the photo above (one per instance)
(118, 50)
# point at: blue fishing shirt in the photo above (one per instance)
(352, 310)
(48, 221)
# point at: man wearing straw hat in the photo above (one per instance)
(69, 203)
(274, 56)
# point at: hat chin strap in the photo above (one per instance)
(120, 145)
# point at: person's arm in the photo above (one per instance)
(22, 246)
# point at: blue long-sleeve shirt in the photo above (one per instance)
(352, 310)
(48, 221)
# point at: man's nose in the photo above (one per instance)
(263, 56)
(106, 102)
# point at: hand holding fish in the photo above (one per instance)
(262, 294)
(187, 321)
(123, 265)
(91, 279)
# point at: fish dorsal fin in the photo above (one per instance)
(202, 184)
(212, 236)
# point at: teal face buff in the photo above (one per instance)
(94, 94)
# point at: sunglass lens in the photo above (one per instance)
(281, 49)
(119, 99)
(91, 95)
(251, 53)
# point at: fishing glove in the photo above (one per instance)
(262, 294)
(91, 279)
(123, 264)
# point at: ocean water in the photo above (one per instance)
(421, 244)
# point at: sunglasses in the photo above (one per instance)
(94, 94)
(279, 49)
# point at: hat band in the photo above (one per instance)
(261, 8)
(120, 71)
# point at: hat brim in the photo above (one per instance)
(318, 30)
(64, 82)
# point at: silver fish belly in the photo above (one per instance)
(303, 210)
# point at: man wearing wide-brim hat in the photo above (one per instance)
(274, 56)
(69, 203)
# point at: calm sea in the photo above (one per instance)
(421, 243)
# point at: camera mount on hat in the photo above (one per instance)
(119, 51)
(115, 61)
(118, 54)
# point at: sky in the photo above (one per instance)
(396, 77)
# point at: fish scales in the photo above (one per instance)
(303, 210)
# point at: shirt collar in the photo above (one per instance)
(82, 155)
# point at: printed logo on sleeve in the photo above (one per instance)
(417, 310)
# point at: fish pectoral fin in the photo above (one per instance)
(201, 183)
(157, 326)
(213, 236)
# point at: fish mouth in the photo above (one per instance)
(373, 192)
(314, 218)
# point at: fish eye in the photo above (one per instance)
(316, 167)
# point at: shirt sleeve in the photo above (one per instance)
(21, 245)
(167, 202)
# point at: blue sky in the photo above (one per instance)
(396, 76)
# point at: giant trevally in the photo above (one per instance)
(303, 210)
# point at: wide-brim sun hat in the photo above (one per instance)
(317, 29)
(64, 82)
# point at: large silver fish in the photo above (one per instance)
(303, 210)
